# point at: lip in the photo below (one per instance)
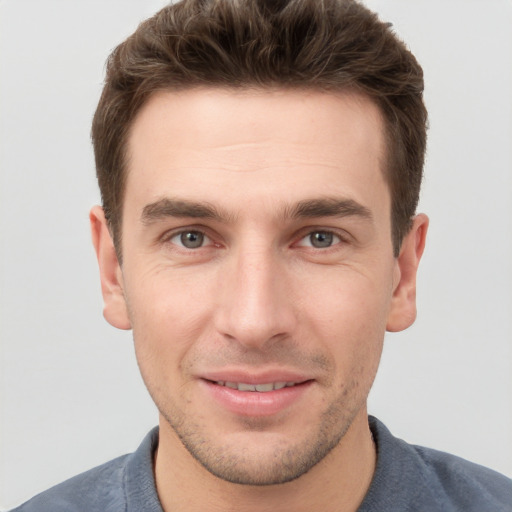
(254, 378)
(255, 403)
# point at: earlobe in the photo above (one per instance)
(114, 309)
(403, 304)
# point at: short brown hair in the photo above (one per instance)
(328, 45)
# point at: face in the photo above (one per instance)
(258, 273)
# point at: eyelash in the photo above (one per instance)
(337, 238)
(168, 237)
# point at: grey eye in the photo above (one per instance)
(191, 239)
(321, 239)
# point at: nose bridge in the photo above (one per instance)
(255, 307)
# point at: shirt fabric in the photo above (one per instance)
(407, 478)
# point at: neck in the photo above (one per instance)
(338, 483)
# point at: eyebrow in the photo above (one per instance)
(166, 207)
(309, 208)
(328, 207)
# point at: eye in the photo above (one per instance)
(190, 239)
(320, 240)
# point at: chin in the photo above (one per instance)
(256, 456)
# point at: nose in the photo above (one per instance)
(255, 306)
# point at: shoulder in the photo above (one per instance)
(121, 485)
(466, 484)
(98, 489)
(411, 478)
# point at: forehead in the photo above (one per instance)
(263, 143)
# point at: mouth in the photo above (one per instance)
(260, 388)
(256, 399)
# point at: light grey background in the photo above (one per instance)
(71, 395)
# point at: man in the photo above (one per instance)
(260, 165)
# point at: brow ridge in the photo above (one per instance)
(328, 207)
(309, 208)
(167, 207)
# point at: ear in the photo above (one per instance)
(403, 304)
(114, 308)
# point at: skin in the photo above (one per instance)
(294, 275)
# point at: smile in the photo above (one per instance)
(256, 399)
(260, 388)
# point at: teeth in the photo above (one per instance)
(261, 388)
(264, 387)
(246, 387)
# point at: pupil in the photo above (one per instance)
(321, 239)
(192, 239)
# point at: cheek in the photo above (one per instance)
(349, 318)
(349, 302)
(168, 313)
